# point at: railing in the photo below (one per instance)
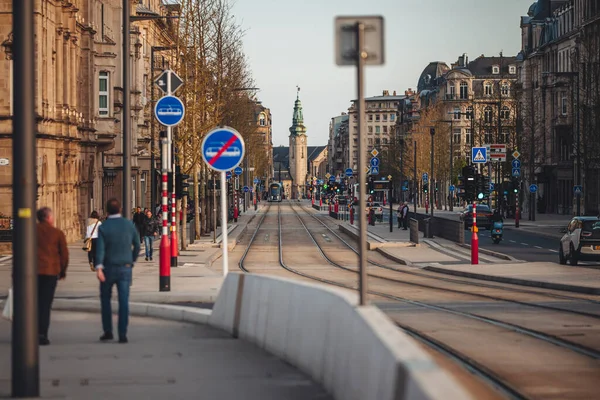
(6, 229)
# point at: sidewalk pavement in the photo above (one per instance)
(163, 360)
(192, 281)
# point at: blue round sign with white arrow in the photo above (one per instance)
(374, 162)
(223, 149)
(169, 110)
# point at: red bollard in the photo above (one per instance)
(164, 276)
(475, 238)
(321, 202)
(336, 207)
(173, 231)
(426, 207)
(517, 210)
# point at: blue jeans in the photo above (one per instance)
(148, 240)
(120, 276)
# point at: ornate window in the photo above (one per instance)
(505, 112)
(262, 119)
(470, 112)
(464, 90)
(487, 114)
(487, 89)
(505, 89)
(103, 93)
(456, 113)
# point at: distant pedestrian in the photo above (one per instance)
(53, 259)
(404, 212)
(138, 220)
(91, 234)
(149, 230)
(117, 250)
(399, 216)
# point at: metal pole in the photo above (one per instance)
(215, 207)
(578, 150)
(126, 113)
(165, 243)
(432, 188)
(391, 208)
(153, 188)
(25, 350)
(362, 162)
(451, 159)
(224, 243)
(245, 181)
(415, 179)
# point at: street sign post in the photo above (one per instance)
(533, 188)
(246, 189)
(223, 150)
(479, 155)
(238, 171)
(374, 170)
(516, 172)
(452, 188)
(256, 181)
(359, 41)
(496, 152)
(349, 172)
(169, 110)
(374, 162)
(578, 190)
(168, 81)
(332, 178)
(516, 163)
(228, 175)
(425, 177)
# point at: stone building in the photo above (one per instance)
(298, 158)
(338, 131)
(559, 80)
(264, 133)
(78, 104)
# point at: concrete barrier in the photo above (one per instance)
(414, 231)
(354, 352)
(450, 229)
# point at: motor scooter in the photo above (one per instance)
(497, 231)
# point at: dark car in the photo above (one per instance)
(581, 241)
(484, 215)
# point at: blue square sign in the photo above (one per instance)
(479, 155)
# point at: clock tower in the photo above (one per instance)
(298, 151)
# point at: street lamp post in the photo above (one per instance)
(431, 178)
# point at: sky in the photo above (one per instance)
(290, 43)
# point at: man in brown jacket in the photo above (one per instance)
(53, 258)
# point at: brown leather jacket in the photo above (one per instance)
(53, 254)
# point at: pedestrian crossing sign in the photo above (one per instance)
(479, 155)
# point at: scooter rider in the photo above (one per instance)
(497, 216)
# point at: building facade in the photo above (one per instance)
(298, 157)
(338, 129)
(264, 143)
(78, 105)
(559, 78)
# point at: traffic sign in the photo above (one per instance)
(246, 189)
(349, 172)
(374, 152)
(168, 76)
(425, 177)
(452, 188)
(533, 188)
(374, 170)
(327, 175)
(256, 181)
(578, 190)
(228, 175)
(492, 187)
(169, 110)
(320, 182)
(238, 171)
(223, 149)
(516, 172)
(516, 163)
(516, 154)
(374, 162)
(390, 177)
(332, 178)
(479, 155)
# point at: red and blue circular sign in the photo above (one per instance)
(223, 149)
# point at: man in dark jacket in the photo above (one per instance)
(53, 259)
(118, 247)
(138, 221)
(149, 231)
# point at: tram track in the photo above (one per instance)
(433, 313)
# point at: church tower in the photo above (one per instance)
(298, 156)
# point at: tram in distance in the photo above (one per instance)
(275, 192)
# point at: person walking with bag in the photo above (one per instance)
(53, 259)
(91, 236)
(404, 212)
(117, 249)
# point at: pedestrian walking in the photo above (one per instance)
(117, 250)
(399, 216)
(53, 259)
(91, 237)
(149, 230)
(138, 221)
(404, 212)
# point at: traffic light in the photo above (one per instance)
(370, 186)
(426, 187)
(470, 183)
(483, 186)
(181, 184)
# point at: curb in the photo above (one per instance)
(392, 257)
(376, 242)
(546, 235)
(496, 254)
(160, 311)
(517, 281)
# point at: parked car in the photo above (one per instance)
(581, 241)
(377, 208)
(484, 215)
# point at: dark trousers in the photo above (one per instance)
(92, 252)
(405, 222)
(46, 289)
(121, 277)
